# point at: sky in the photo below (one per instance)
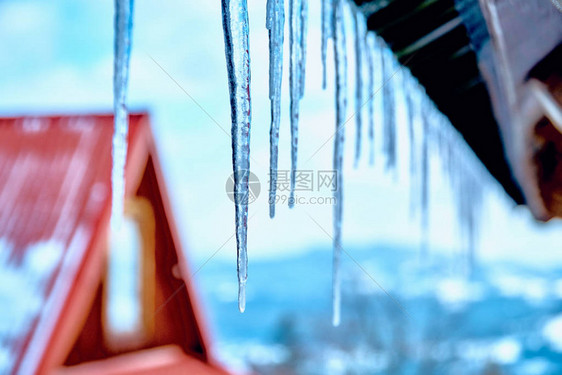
(57, 57)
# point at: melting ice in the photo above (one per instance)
(122, 51)
(237, 50)
(340, 58)
(298, 19)
(432, 125)
(275, 25)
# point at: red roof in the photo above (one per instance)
(55, 195)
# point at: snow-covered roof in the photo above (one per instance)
(54, 193)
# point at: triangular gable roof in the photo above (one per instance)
(54, 204)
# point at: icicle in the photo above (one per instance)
(409, 116)
(298, 20)
(269, 18)
(302, 40)
(122, 51)
(425, 183)
(358, 25)
(409, 91)
(463, 196)
(327, 18)
(341, 105)
(295, 9)
(465, 184)
(275, 24)
(388, 108)
(470, 224)
(369, 41)
(476, 207)
(237, 49)
(469, 200)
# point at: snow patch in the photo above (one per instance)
(552, 332)
(22, 292)
(531, 289)
(506, 351)
(456, 292)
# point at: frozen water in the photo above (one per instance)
(237, 50)
(122, 51)
(341, 108)
(275, 24)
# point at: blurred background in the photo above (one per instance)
(403, 312)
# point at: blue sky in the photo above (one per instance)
(57, 57)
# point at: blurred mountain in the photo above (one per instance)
(401, 314)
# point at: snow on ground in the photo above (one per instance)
(552, 332)
(456, 292)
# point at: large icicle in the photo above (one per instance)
(388, 108)
(237, 49)
(369, 42)
(341, 105)
(122, 51)
(327, 18)
(295, 7)
(275, 24)
(359, 36)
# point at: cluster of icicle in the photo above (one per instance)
(429, 130)
(424, 120)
